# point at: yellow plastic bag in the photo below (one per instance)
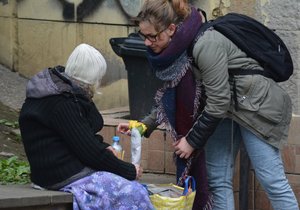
(170, 196)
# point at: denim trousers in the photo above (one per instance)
(221, 150)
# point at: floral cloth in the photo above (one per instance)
(107, 191)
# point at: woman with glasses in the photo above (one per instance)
(196, 106)
(168, 28)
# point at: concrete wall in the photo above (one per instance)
(157, 157)
(35, 34)
(38, 34)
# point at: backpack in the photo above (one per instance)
(257, 41)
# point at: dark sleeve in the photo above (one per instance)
(151, 122)
(202, 129)
(87, 146)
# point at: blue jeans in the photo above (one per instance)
(221, 150)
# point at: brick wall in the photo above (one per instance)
(157, 157)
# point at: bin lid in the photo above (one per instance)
(132, 45)
(134, 41)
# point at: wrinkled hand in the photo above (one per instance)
(124, 128)
(111, 149)
(139, 171)
(182, 148)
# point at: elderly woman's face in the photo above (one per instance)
(156, 40)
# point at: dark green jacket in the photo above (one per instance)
(264, 107)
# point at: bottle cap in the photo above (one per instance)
(116, 138)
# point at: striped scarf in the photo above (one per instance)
(180, 100)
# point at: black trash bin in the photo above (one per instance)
(142, 83)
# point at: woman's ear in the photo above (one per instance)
(171, 29)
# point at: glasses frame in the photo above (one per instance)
(151, 38)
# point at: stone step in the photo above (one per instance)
(24, 197)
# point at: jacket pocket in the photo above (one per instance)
(263, 97)
(274, 104)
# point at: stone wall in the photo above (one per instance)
(38, 34)
(157, 157)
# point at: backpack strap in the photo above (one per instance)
(241, 71)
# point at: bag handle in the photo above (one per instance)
(189, 181)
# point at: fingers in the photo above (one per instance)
(124, 128)
(175, 143)
(121, 127)
(139, 171)
(182, 148)
(182, 154)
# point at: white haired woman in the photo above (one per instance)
(60, 127)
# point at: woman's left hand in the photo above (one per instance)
(182, 148)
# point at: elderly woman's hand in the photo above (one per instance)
(139, 171)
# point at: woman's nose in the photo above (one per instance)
(147, 42)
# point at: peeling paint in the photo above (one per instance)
(226, 3)
(265, 15)
(4, 2)
(264, 2)
(49, 30)
(131, 7)
(265, 18)
(80, 9)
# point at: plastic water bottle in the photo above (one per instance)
(116, 145)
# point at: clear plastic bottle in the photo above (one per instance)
(117, 146)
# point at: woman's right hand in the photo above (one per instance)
(124, 128)
(139, 171)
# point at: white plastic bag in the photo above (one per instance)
(136, 146)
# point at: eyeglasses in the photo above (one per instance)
(151, 38)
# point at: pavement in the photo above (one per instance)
(12, 88)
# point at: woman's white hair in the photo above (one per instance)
(86, 64)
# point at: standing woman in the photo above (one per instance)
(60, 127)
(169, 28)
